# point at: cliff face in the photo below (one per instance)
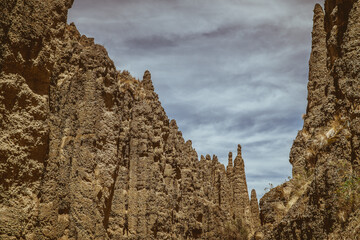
(322, 200)
(87, 152)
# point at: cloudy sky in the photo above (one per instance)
(228, 71)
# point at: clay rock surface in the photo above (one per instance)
(87, 151)
(322, 199)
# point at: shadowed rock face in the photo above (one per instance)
(322, 200)
(87, 152)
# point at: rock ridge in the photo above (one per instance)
(88, 152)
(322, 199)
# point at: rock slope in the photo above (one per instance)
(322, 201)
(87, 152)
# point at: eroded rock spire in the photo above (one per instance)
(255, 212)
(229, 167)
(147, 82)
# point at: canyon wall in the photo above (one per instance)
(322, 201)
(87, 151)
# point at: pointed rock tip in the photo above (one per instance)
(253, 193)
(230, 159)
(147, 83)
(239, 150)
(147, 75)
(318, 8)
(173, 124)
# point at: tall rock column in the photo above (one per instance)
(241, 196)
(318, 203)
(321, 101)
(255, 212)
(27, 47)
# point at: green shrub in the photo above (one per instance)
(349, 192)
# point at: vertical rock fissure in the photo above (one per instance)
(108, 201)
(340, 19)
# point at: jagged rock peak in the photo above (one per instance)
(325, 153)
(147, 82)
(318, 10)
(230, 160)
(253, 195)
(173, 124)
(255, 211)
(239, 150)
(239, 161)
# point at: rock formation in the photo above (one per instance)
(322, 201)
(87, 152)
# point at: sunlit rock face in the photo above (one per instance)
(322, 200)
(87, 152)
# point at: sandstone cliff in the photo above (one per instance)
(322, 201)
(87, 151)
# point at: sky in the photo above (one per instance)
(229, 71)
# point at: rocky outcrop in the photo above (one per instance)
(255, 213)
(29, 39)
(87, 151)
(323, 198)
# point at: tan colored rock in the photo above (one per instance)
(314, 203)
(87, 152)
(28, 42)
(255, 213)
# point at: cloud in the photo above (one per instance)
(153, 42)
(229, 72)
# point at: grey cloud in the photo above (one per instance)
(223, 31)
(151, 43)
(229, 72)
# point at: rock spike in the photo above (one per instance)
(239, 150)
(255, 212)
(239, 185)
(318, 61)
(147, 82)
(239, 162)
(173, 124)
(230, 162)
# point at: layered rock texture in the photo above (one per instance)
(322, 201)
(87, 152)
